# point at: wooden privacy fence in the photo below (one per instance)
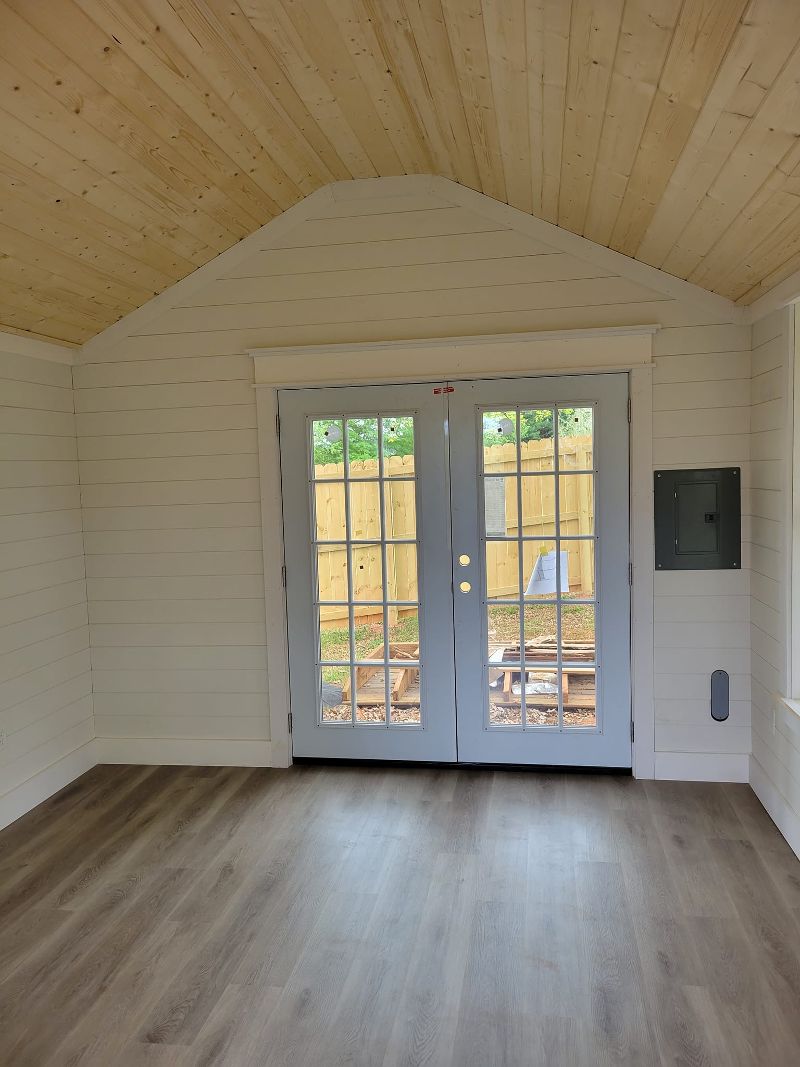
(538, 511)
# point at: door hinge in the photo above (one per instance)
(289, 720)
(630, 575)
(632, 730)
(283, 576)
(630, 409)
(278, 425)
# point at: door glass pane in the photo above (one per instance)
(335, 691)
(362, 447)
(500, 506)
(404, 631)
(399, 500)
(537, 447)
(577, 578)
(367, 572)
(576, 505)
(365, 510)
(405, 695)
(368, 636)
(500, 441)
(401, 571)
(332, 572)
(575, 434)
(580, 696)
(334, 632)
(503, 633)
(577, 633)
(505, 706)
(539, 506)
(541, 698)
(370, 683)
(328, 444)
(329, 511)
(541, 640)
(539, 570)
(398, 446)
(502, 570)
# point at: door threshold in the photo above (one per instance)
(544, 768)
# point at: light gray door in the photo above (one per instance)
(370, 610)
(539, 499)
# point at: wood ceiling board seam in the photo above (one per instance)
(557, 24)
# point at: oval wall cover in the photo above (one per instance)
(720, 696)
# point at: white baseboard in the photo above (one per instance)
(778, 809)
(167, 751)
(43, 785)
(702, 767)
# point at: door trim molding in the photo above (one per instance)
(509, 355)
(529, 355)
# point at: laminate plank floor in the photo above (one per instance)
(326, 916)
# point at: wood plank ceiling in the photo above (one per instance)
(140, 138)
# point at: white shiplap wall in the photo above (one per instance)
(775, 764)
(169, 465)
(45, 679)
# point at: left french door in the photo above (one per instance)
(366, 504)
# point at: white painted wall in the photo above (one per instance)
(775, 762)
(169, 464)
(45, 680)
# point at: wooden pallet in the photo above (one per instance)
(576, 692)
(404, 681)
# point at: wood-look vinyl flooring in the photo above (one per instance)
(323, 916)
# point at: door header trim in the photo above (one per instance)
(614, 348)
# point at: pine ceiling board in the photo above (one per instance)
(506, 48)
(594, 33)
(194, 30)
(148, 116)
(239, 117)
(702, 36)
(763, 43)
(760, 163)
(361, 74)
(272, 22)
(74, 111)
(467, 36)
(556, 29)
(645, 35)
(415, 35)
(140, 138)
(45, 199)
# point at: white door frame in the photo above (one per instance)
(564, 352)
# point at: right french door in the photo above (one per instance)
(539, 491)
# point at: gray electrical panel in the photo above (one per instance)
(698, 523)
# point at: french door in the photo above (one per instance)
(457, 571)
